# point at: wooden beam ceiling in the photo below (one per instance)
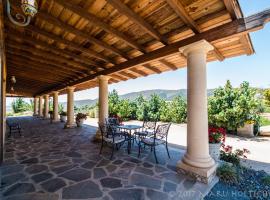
(98, 22)
(234, 28)
(47, 17)
(125, 10)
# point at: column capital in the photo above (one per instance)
(201, 45)
(70, 88)
(103, 78)
(46, 95)
(55, 92)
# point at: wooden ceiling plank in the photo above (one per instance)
(41, 61)
(168, 64)
(154, 69)
(63, 52)
(36, 68)
(98, 22)
(68, 43)
(52, 20)
(125, 10)
(138, 71)
(57, 59)
(233, 8)
(179, 9)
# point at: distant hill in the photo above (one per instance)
(168, 95)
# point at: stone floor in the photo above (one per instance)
(50, 163)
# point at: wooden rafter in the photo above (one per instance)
(98, 22)
(47, 17)
(57, 59)
(168, 64)
(154, 69)
(233, 8)
(179, 9)
(234, 28)
(71, 44)
(125, 10)
(182, 13)
(64, 52)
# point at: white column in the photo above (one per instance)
(103, 101)
(197, 160)
(46, 106)
(70, 108)
(55, 107)
(40, 110)
(35, 106)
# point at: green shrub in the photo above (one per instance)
(266, 180)
(231, 107)
(264, 121)
(227, 174)
(19, 105)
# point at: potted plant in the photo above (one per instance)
(80, 117)
(51, 115)
(216, 138)
(63, 116)
(247, 130)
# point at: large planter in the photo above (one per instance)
(63, 118)
(214, 150)
(80, 122)
(246, 131)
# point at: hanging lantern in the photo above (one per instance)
(13, 79)
(29, 7)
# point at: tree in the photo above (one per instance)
(231, 108)
(178, 110)
(113, 102)
(19, 105)
(267, 97)
(124, 109)
(142, 108)
(155, 104)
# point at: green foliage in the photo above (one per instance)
(227, 174)
(154, 107)
(113, 102)
(264, 121)
(19, 105)
(60, 108)
(230, 158)
(267, 97)
(178, 110)
(266, 180)
(142, 108)
(231, 107)
(124, 110)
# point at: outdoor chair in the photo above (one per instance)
(159, 137)
(14, 127)
(114, 123)
(148, 129)
(110, 137)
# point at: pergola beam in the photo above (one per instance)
(68, 43)
(98, 22)
(234, 28)
(50, 19)
(125, 10)
(57, 59)
(181, 12)
(64, 52)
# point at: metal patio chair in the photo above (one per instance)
(159, 137)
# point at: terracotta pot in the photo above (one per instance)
(80, 122)
(63, 118)
(214, 150)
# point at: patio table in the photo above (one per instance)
(129, 129)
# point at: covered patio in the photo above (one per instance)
(50, 162)
(70, 46)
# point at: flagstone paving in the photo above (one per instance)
(51, 163)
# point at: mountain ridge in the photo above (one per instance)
(168, 95)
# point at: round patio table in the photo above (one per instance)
(129, 129)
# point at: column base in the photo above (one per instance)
(205, 175)
(55, 120)
(73, 125)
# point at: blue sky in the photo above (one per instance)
(254, 69)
